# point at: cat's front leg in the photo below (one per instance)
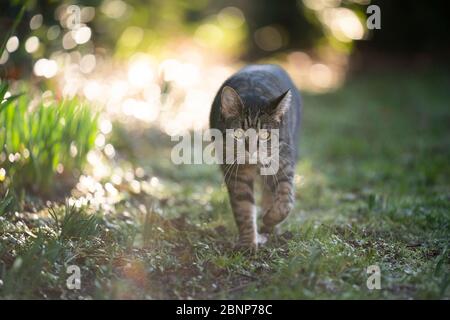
(240, 189)
(282, 187)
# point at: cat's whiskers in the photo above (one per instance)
(274, 175)
(227, 170)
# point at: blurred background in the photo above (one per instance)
(161, 62)
(158, 64)
(91, 92)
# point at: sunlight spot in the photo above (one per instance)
(299, 180)
(114, 8)
(231, 17)
(154, 182)
(86, 183)
(82, 35)
(169, 68)
(87, 14)
(344, 24)
(119, 89)
(60, 168)
(92, 89)
(318, 5)
(140, 73)
(100, 169)
(268, 38)
(45, 68)
(68, 42)
(129, 176)
(2, 174)
(208, 34)
(320, 75)
(53, 32)
(300, 59)
(131, 37)
(47, 99)
(100, 140)
(36, 22)
(87, 63)
(139, 172)
(111, 189)
(116, 179)
(184, 74)
(135, 186)
(140, 110)
(73, 150)
(109, 151)
(26, 153)
(12, 44)
(105, 126)
(32, 44)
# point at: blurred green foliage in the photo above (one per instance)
(39, 141)
(124, 27)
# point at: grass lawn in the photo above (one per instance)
(373, 188)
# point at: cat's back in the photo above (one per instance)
(271, 70)
(268, 79)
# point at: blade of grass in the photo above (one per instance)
(14, 26)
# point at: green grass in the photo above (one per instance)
(38, 140)
(373, 190)
(44, 248)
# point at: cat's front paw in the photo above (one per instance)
(247, 246)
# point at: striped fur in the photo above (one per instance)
(266, 99)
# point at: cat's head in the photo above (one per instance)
(260, 114)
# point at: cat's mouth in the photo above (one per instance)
(256, 158)
(261, 158)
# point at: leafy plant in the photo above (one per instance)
(6, 203)
(74, 223)
(38, 142)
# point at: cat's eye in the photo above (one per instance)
(264, 134)
(238, 134)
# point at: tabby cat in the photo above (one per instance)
(259, 97)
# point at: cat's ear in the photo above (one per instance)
(281, 104)
(231, 102)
